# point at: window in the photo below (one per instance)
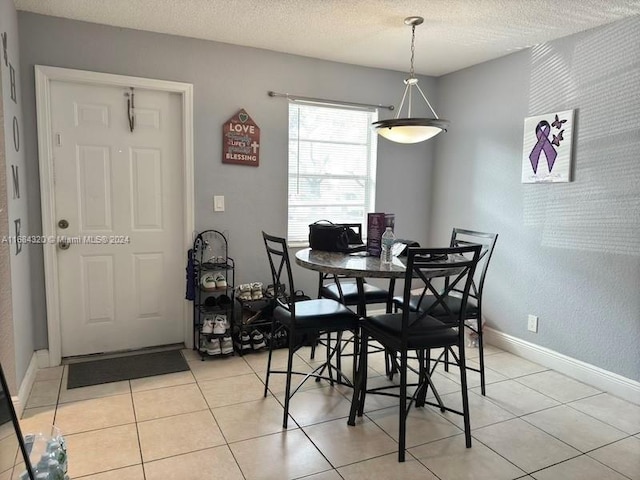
(332, 166)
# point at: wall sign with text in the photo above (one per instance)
(10, 96)
(241, 140)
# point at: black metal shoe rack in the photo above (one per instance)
(210, 258)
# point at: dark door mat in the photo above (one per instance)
(125, 368)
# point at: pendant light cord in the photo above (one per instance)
(413, 49)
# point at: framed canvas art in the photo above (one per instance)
(546, 151)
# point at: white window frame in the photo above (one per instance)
(301, 240)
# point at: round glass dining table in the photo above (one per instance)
(360, 266)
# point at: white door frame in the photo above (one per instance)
(44, 76)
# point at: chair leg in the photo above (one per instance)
(423, 384)
(358, 383)
(287, 395)
(356, 354)
(391, 365)
(338, 355)
(446, 360)
(266, 382)
(481, 353)
(403, 407)
(363, 366)
(465, 396)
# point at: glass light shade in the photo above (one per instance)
(410, 130)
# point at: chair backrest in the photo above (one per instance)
(278, 255)
(425, 266)
(460, 238)
(355, 237)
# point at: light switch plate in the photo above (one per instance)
(218, 203)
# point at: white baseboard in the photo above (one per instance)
(595, 376)
(20, 400)
(43, 358)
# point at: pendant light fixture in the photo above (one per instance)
(411, 130)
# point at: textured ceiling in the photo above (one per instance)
(456, 33)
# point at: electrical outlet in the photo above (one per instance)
(218, 203)
(532, 324)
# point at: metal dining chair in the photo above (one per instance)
(473, 313)
(344, 290)
(303, 321)
(417, 332)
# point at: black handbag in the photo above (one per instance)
(327, 236)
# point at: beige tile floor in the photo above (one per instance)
(213, 422)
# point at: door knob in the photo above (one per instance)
(64, 244)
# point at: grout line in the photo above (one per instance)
(135, 419)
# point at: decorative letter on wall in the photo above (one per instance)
(546, 153)
(241, 140)
(16, 206)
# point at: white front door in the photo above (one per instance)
(121, 281)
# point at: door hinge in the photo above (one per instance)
(58, 139)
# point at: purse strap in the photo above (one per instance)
(320, 221)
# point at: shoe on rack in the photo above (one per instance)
(204, 343)
(256, 291)
(244, 292)
(221, 282)
(213, 347)
(245, 341)
(210, 302)
(223, 301)
(257, 340)
(244, 296)
(207, 326)
(217, 261)
(208, 282)
(220, 325)
(270, 292)
(226, 345)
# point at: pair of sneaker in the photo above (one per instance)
(216, 325)
(217, 346)
(271, 292)
(250, 291)
(217, 261)
(252, 341)
(213, 281)
(222, 301)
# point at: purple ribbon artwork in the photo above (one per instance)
(543, 129)
(543, 145)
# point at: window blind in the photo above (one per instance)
(332, 166)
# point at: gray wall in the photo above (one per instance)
(20, 259)
(227, 78)
(569, 253)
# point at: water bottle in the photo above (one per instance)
(388, 239)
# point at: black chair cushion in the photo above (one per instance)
(321, 314)
(452, 302)
(425, 332)
(372, 293)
